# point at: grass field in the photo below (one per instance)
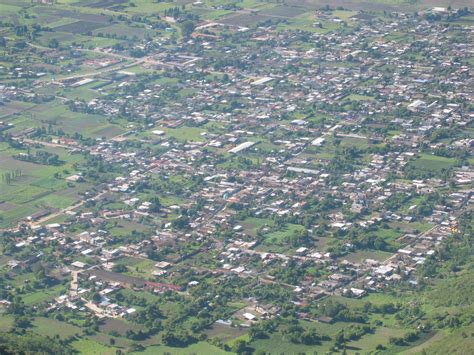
(43, 295)
(201, 348)
(86, 346)
(225, 333)
(143, 269)
(184, 133)
(124, 228)
(280, 236)
(251, 225)
(361, 255)
(380, 336)
(432, 163)
(51, 327)
(120, 31)
(146, 295)
(457, 341)
(37, 188)
(6, 322)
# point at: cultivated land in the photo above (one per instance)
(242, 177)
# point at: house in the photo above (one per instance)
(75, 178)
(354, 292)
(325, 320)
(249, 316)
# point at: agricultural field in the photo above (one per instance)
(36, 187)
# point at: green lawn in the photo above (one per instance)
(43, 295)
(184, 133)
(143, 269)
(280, 236)
(432, 163)
(86, 346)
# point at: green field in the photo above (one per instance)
(86, 346)
(43, 295)
(38, 188)
(279, 237)
(51, 327)
(252, 225)
(432, 163)
(199, 348)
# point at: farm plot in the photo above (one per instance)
(85, 124)
(51, 327)
(378, 5)
(225, 332)
(9, 11)
(208, 14)
(6, 322)
(251, 225)
(118, 325)
(79, 27)
(14, 107)
(18, 3)
(63, 38)
(280, 236)
(284, 11)
(361, 255)
(59, 12)
(244, 20)
(185, 133)
(84, 92)
(143, 269)
(36, 189)
(202, 347)
(122, 31)
(87, 346)
(432, 163)
(381, 336)
(305, 22)
(125, 228)
(102, 4)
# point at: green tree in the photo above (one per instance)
(53, 43)
(187, 28)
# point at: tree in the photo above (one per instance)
(119, 268)
(182, 222)
(155, 204)
(96, 298)
(136, 347)
(340, 340)
(30, 343)
(310, 337)
(256, 332)
(22, 322)
(187, 28)
(174, 337)
(53, 43)
(240, 346)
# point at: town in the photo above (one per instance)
(245, 177)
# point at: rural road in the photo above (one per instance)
(64, 210)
